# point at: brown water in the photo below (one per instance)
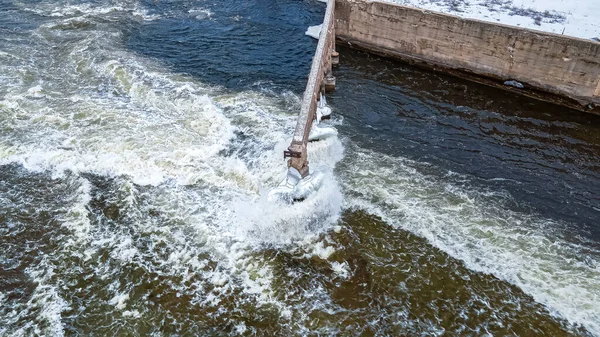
(139, 140)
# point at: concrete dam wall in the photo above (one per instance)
(567, 68)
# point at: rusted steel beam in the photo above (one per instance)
(321, 67)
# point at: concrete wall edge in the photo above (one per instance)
(498, 24)
(572, 77)
(531, 90)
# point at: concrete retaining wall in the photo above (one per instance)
(560, 65)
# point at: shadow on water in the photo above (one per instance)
(237, 44)
(546, 156)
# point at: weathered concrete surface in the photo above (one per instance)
(564, 66)
(321, 66)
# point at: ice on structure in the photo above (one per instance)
(515, 84)
(323, 112)
(322, 109)
(320, 132)
(314, 31)
(294, 187)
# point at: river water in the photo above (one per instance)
(139, 139)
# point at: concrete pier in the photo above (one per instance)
(319, 80)
(552, 67)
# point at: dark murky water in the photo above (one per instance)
(138, 141)
(545, 155)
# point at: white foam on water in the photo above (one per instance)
(184, 131)
(263, 220)
(201, 13)
(322, 251)
(134, 122)
(476, 227)
(45, 302)
(119, 301)
(3, 304)
(203, 159)
(268, 221)
(198, 156)
(240, 328)
(132, 314)
(76, 216)
(90, 10)
(341, 269)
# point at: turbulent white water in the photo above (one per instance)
(479, 228)
(78, 106)
(91, 106)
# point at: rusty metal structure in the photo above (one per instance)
(320, 80)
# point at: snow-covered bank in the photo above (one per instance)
(573, 18)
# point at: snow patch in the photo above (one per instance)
(573, 18)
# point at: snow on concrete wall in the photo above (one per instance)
(578, 18)
(553, 63)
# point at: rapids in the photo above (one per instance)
(139, 140)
